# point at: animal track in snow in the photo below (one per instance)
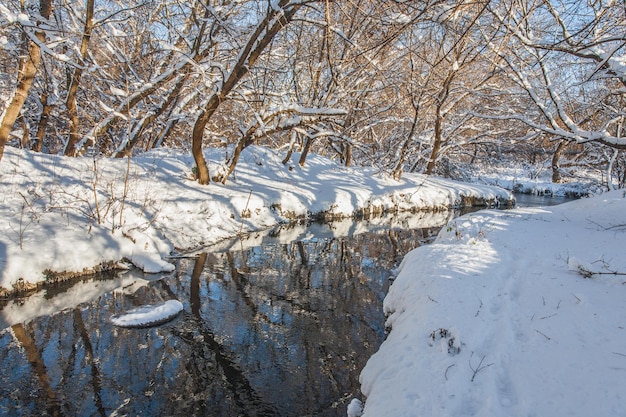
(453, 343)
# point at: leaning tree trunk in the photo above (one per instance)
(25, 79)
(258, 41)
(305, 151)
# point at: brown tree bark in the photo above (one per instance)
(70, 103)
(439, 120)
(348, 155)
(257, 42)
(305, 151)
(397, 172)
(43, 122)
(25, 79)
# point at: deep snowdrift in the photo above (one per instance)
(72, 214)
(509, 313)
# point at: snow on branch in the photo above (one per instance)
(592, 44)
(527, 62)
(271, 120)
(129, 102)
(303, 111)
(578, 135)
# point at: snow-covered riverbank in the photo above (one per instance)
(73, 214)
(509, 313)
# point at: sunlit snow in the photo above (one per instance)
(71, 214)
(509, 313)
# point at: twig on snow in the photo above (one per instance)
(479, 368)
(446, 373)
(543, 334)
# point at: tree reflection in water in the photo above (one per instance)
(277, 330)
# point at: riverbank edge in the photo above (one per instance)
(492, 267)
(23, 288)
(71, 217)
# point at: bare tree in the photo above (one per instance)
(572, 75)
(26, 72)
(70, 102)
(276, 17)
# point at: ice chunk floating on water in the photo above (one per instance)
(148, 315)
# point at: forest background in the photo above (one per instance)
(405, 86)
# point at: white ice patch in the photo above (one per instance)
(148, 315)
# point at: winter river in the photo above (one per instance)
(277, 324)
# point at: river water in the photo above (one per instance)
(279, 323)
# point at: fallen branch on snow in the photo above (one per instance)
(586, 270)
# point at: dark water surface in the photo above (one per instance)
(532, 200)
(268, 329)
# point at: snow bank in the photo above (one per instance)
(536, 179)
(509, 313)
(71, 214)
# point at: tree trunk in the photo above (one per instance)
(25, 133)
(305, 151)
(25, 79)
(292, 143)
(348, 155)
(241, 144)
(556, 174)
(257, 42)
(37, 145)
(72, 112)
(202, 170)
(439, 120)
(434, 154)
(609, 171)
(397, 172)
(247, 139)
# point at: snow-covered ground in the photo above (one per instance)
(509, 313)
(522, 177)
(73, 214)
